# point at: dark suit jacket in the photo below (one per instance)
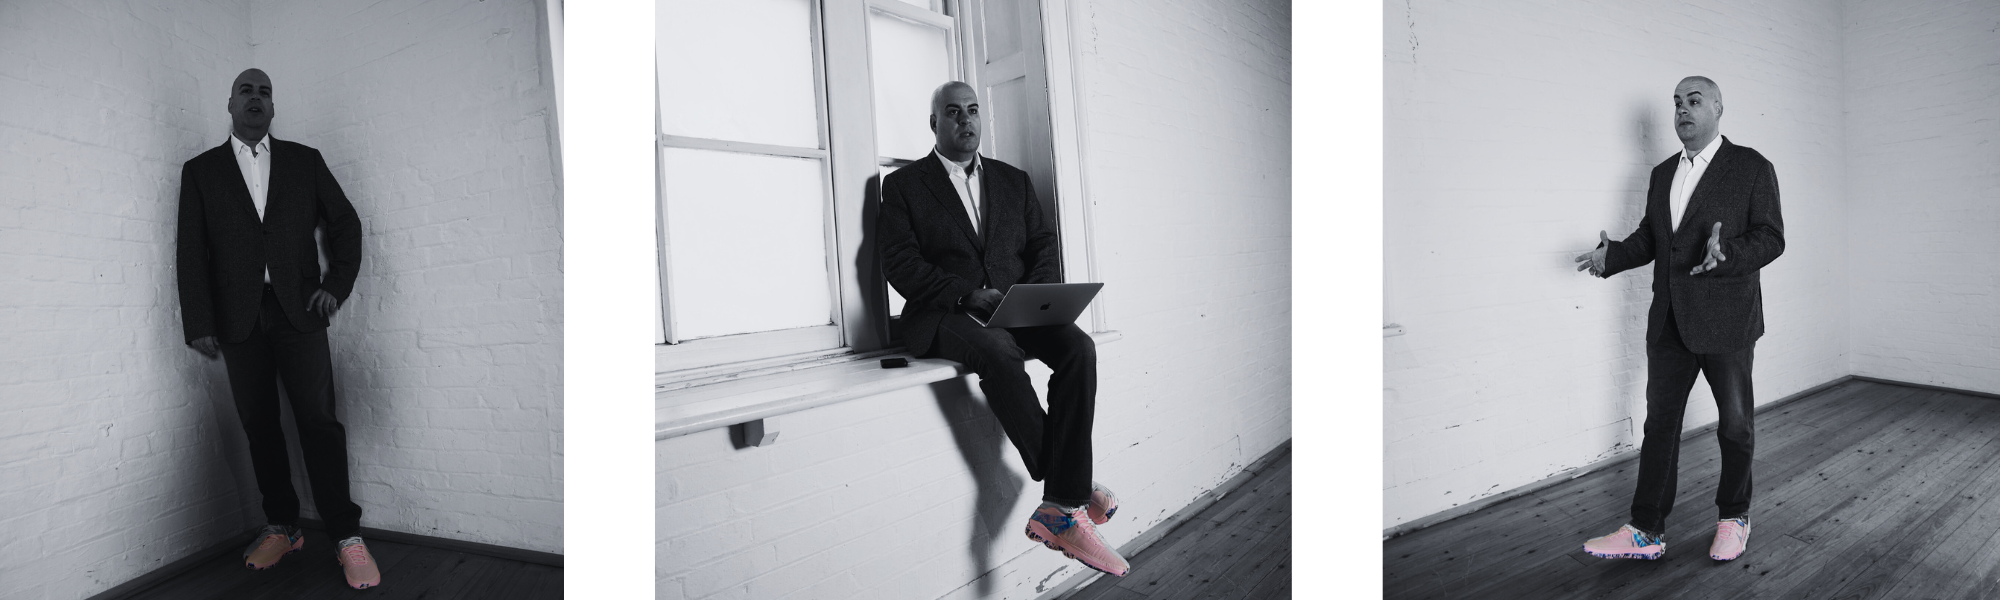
(222, 247)
(1721, 310)
(931, 254)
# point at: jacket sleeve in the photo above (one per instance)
(343, 233)
(1634, 252)
(1043, 252)
(191, 261)
(921, 283)
(1764, 239)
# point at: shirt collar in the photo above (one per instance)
(1707, 153)
(952, 168)
(263, 145)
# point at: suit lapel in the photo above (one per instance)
(944, 193)
(1718, 168)
(238, 192)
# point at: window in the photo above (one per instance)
(777, 120)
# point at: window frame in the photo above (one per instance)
(844, 82)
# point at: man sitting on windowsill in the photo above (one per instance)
(955, 232)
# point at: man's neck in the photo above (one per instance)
(1694, 148)
(250, 136)
(963, 160)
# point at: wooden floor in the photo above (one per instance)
(1864, 490)
(1238, 548)
(407, 572)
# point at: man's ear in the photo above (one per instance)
(933, 122)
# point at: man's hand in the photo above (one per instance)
(206, 346)
(323, 303)
(1715, 256)
(981, 302)
(1594, 260)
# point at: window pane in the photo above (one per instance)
(924, 4)
(740, 70)
(746, 237)
(910, 60)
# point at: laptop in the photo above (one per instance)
(1035, 304)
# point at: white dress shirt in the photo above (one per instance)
(1687, 176)
(255, 164)
(964, 179)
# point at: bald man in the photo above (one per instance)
(957, 230)
(252, 292)
(1711, 224)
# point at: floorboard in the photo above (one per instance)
(408, 572)
(1863, 491)
(1238, 548)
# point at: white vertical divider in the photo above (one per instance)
(609, 281)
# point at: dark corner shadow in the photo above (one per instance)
(876, 297)
(981, 441)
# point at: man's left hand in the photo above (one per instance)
(323, 303)
(1715, 256)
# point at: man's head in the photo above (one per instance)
(955, 120)
(250, 108)
(1697, 111)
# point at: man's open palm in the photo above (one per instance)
(1594, 259)
(1715, 257)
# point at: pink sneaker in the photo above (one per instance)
(1627, 542)
(358, 564)
(1103, 503)
(273, 543)
(1731, 536)
(1077, 538)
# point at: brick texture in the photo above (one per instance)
(916, 493)
(119, 447)
(1923, 114)
(1512, 133)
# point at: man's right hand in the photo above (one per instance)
(206, 346)
(981, 302)
(1594, 260)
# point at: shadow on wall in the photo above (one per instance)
(1635, 292)
(981, 441)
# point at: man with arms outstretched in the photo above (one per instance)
(1711, 223)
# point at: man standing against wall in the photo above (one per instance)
(1711, 223)
(251, 290)
(957, 230)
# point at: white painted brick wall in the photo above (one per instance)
(434, 116)
(1923, 114)
(1513, 133)
(119, 447)
(916, 493)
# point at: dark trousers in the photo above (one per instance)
(273, 351)
(1055, 444)
(1670, 373)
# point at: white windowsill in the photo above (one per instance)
(726, 403)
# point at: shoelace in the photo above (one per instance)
(356, 554)
(1730, 528)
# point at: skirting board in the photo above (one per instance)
(1632, 454)
(237, 542)
(1160, 530)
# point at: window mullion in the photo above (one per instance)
(851, 149)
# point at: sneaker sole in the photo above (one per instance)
(295, 548)
(1637, 555)
(1072, 556)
